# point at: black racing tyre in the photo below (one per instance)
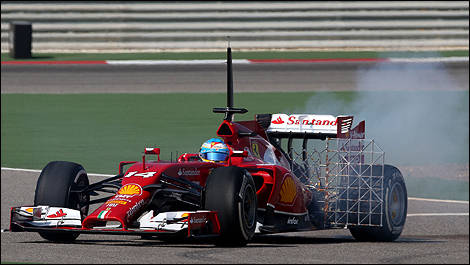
(53, 189)
(231, 192)
(394, 210)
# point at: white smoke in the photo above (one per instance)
(416, 112)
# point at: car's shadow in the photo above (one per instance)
(258, 241)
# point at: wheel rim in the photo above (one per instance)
(396, 204)
(249, 207)
(81, 200)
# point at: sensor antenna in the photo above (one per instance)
(229, 110)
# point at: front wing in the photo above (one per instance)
(65, 220)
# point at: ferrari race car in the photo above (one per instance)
(283, 173)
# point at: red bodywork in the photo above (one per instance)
(279, 192)
(278, 187)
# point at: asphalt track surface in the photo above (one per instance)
(435, 231)
(425, 239)
(283, 77)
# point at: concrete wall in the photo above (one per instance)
(151, 26)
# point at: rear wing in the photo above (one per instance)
(310, 126)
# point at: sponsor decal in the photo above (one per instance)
(294, 120)
(103, 214)
(292, 221)
(255, 149)
(288, 190)
(217, 146)
(278, 121)
(122, 197)
(135, 208)
(29, 210)
(197, 220)
(184, 215)
(58, 214)
(188, 172)
(130, 189)
(308, 123)
(116, 202)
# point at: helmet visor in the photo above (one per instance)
(215, 156)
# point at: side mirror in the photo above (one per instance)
(152, 151)
(236, 157)
(240, 153)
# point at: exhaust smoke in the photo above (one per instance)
(417, 113)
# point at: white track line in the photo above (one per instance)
(428, 60)
(437, 214)
(39, 171)
(173, 62)
(248, 61)
(251, 61)
(21, 169)
(435, 200)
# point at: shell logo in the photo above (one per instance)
(288, 190)
(130, 189)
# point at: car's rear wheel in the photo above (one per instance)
(395, 204)
(231, 192)
(54, 187)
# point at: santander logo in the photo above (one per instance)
(316, 120)
(303, 123)
(313, 121)
(278, 121)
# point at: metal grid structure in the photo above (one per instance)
(347, 177)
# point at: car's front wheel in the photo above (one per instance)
(54, 187)
(231, 192)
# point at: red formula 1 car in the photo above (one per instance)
(336, 179)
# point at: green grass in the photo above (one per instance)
(236, 55)
(99, 130)
(437, 188)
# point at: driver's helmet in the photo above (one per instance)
(214, 150)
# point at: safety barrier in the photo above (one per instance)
(152, 26)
